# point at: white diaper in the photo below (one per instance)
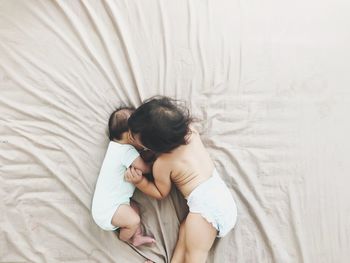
(213, 200)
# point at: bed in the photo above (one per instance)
(268, 82)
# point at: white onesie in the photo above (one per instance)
(111, 189)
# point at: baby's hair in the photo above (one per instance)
(162, 122)
(118, 122)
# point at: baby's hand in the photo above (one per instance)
(133, 175)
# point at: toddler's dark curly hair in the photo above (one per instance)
(162, 123)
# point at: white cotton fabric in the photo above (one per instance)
(111, 189)
(213, 200)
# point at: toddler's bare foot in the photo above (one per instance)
(139, 240)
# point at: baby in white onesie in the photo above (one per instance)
(111, 206)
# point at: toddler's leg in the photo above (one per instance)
(179, 252)
(199, 238)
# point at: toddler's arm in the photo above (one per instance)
(162, 183)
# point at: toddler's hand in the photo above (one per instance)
(133, 175)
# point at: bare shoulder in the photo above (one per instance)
(162, 166)
(166, 158)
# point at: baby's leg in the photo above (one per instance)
(128, 221)
(130, 229)
(139, 239)
(199, 238)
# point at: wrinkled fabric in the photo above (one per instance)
(268, 82)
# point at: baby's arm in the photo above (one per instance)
(162, 183)
(140, 164)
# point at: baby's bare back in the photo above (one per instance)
(190, 164)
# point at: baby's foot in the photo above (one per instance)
(139, 240)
